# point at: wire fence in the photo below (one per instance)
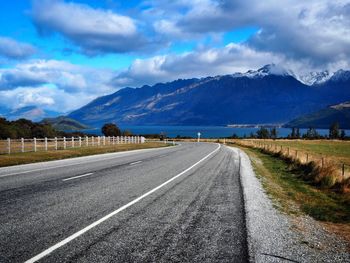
(22, 145)
(296, 154)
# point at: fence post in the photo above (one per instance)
(98, 140)
(79, 141)
(34, 144)
(296, 154)
(22, 145)
(288, 151)
(86, 140)
(8, 145)
(322, 162)
(104, 140)
(64, 143)
(45, 143)
(56, 144)
(307, 158)
(73, 142)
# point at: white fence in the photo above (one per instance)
(48, 144)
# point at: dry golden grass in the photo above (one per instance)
(32, 157)
(295, 196)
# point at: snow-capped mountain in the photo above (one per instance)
(341, 76)
(270, 69)
(270, 94)
(315, 78)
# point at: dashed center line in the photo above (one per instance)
(135, 163)
(76, 177)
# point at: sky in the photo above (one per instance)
(59, 54)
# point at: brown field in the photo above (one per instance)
(31, 157)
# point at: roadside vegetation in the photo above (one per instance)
(32, 157)
(286, 182)
(303, 189)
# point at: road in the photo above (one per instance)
(175, 204)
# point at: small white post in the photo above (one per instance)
(113, 140)
(64, 143)
(92, 140)
(86, 140)
(22, 145)
(79, 141)
(142, 139)
(8, 145)
(45, 140)
(34, 144)
(98, 140)
(199, 136)
(73, 142)
(56, 144)
(104, 140)
(121, 139)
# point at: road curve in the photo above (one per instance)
(176, 204)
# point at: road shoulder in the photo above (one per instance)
(273, 235)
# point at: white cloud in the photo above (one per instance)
(96, 31)
(12, 49)
(201, 63)
(46, 97)
(52, 84)
(69, 77)
(315, 30)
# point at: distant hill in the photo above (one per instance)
(63, 123)
(33, 113)
(268, 95)
(324, 118)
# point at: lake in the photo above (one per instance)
(206, 131)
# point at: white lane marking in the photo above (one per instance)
(79, 233)
(135, 163)
(76, 177)
(89, 161)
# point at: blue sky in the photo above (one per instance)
(59, 54)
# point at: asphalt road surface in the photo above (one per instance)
(175, 204)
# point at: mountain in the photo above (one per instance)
(268, 95)
(63, 123)
(32, 113)
(324, 118)
(315, 78)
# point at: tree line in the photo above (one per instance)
(311, 134)
(23, 128)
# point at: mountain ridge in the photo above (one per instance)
(268, 95)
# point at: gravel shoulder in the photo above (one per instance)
(274, 236)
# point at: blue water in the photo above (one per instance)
(206, 131)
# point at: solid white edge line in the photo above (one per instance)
(105, 159)
(79, 233)
(135, 162)
(76, 177)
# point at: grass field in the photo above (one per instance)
(294, 196)
(335, 150)
(32, 157)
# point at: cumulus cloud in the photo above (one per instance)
(12, 49)
(46, 97)
(205, 62)
(314, 30)
(69, 77)
(96, 31)
(55, 85)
